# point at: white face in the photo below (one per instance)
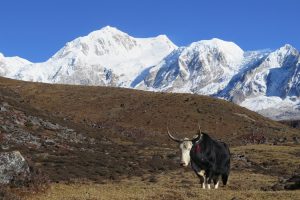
(185, 148)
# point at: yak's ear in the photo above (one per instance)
(197, 138)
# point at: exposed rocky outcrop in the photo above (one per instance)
(292, 183)
(17, 128)
(13, 167)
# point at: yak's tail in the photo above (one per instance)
(226, 174)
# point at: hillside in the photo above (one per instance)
(142, 112)
(292, 123)
(81, 135)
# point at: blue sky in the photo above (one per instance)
(36, 29)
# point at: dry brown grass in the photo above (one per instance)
(272, 159)
(144, 113)
(175, 185)
(135, 122)
(183, 184)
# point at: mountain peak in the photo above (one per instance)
(110, 41)
(106, 56)
(218, 44)
(110, 29)
(163, 37)
(217, 47)
(222, 44)
(106, 31)
(287, 48)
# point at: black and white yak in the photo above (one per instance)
(210, 159)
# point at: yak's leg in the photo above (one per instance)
(208, 186)
(225, 178)
(203, 175)
(217, 185)
(201, 179)
(216, 182)
(209, 179)
(200, 173)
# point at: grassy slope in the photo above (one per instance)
(146, 112)
(137, 120)
(137, 190)
(245, 183)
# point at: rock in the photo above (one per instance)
(5, 104)
(296, 140)
(49, 142)
(4, 146)
(277, 187)
(50, 126)
(4, 127)
(34, 121)
(293, 183)
(13, 167)
(3, 109)
(282, 140)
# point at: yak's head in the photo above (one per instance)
(185, 146)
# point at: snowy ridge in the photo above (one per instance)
(10, 65)
(104, 57)
(269, 77)
(204, 67)
(271, 86)
(265, 81)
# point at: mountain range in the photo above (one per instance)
(265, 81)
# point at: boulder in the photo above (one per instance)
(13, 167)
(293, 183)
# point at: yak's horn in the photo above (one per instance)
(172, 137)
(199, 134)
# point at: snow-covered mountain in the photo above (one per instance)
(107, 57)
(9, 66)
(203, 67)
(264, 81)
(272, 86)
(276, 74)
